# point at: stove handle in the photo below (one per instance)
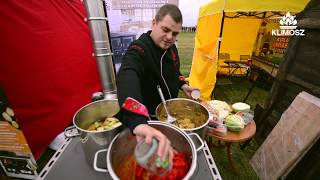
(71, 131)
(200, 147)
(96, 168)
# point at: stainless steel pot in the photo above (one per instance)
(93, 141)
(178, 106)
(122, 147)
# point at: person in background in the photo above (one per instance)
(150, 61)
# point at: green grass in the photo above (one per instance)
(241, 161)
(237, 91)
(185, 48)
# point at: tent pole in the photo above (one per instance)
(220, 35)
(219, 44)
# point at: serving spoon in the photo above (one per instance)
(170, 119)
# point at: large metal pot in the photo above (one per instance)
(187, 107)
(122, 148)
(93, 141)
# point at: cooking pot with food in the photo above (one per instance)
(191, 115)
(120, 156)
(95, 114)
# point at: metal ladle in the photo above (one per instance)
(170, 119)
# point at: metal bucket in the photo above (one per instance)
(186, 106)
(93, 141)
(122, 147)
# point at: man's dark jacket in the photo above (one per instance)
(139, 76)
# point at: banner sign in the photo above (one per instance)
(280, 44)
(127, 20)
(141, 4)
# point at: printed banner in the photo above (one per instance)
(140, 4)
(128, 19)
(16, 158)
(274, 35)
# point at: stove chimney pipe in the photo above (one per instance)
(97, 21)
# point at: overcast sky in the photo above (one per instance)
(190, 11)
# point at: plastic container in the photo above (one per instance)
(216, 126)
(247, 117)
(218, 129)
(146, 156)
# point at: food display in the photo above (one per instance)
(105, 124)
(225, 117)
(234, 122)
(220, 108)
(247, 117)
(240, 107)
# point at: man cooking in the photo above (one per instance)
(149, 61)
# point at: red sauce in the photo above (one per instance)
(130, 170)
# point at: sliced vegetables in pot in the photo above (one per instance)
(106, 124)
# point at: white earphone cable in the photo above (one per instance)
(165, 83)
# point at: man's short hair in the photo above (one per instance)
(171, 10)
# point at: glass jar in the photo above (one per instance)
(146, 156)
(195, 94)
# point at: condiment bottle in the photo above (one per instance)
(146, 156)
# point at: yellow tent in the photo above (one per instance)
(230, 26)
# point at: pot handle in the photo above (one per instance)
(71, 131)
(96, 168)
(199, 139)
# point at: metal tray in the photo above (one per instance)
(69, 163)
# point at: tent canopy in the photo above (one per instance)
(217, 6)
(235, 23)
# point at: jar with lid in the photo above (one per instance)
(146, 156)
(195, 94)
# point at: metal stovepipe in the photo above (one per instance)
(97, 20)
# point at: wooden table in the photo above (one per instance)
(233, 137)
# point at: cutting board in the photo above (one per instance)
(295, 133)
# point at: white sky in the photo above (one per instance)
(190, 11)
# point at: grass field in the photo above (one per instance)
(185, 47)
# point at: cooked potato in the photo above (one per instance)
(187, 118)
(106, 124)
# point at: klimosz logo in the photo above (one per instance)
(288, 27)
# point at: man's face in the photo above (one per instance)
(164, 33)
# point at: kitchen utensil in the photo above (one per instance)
(92, 141)
(146, 156)
(123, 145)
(170, 119)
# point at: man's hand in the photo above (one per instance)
(187, 90)
(144, 131)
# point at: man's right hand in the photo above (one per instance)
(144, 131)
